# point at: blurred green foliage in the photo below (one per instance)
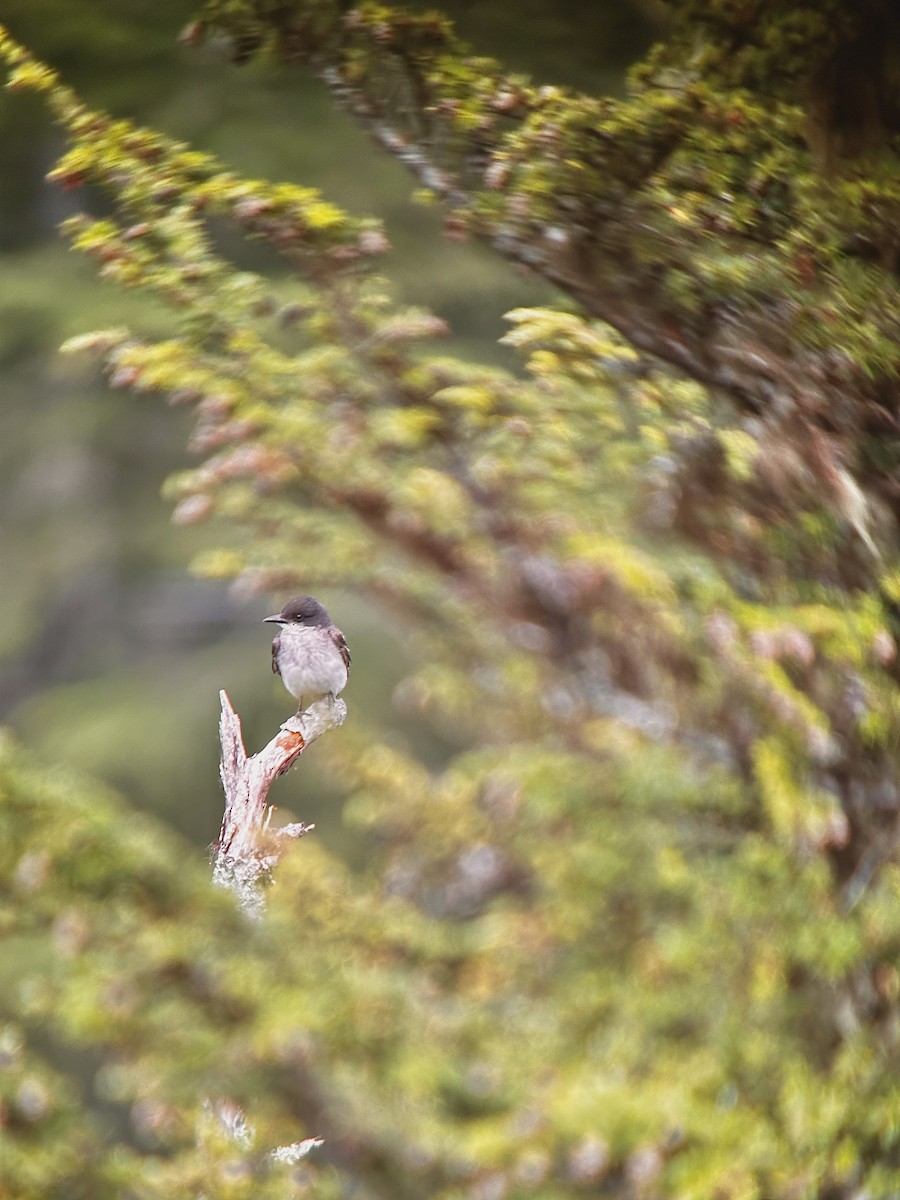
(89, 551)
(629, 925)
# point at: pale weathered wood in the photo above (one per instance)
(248, 848)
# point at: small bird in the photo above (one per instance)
(309, 652)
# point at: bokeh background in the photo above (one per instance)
(111, 652)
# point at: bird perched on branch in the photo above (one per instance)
(309, 652)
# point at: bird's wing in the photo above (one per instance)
(341, 642)
(276, 643)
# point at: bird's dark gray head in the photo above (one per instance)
(302, 610)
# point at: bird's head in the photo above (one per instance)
(302, 610)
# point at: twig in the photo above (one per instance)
(248, 848)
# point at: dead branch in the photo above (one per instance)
(248, 848)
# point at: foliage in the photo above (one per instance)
(639, 935)
(660, 202)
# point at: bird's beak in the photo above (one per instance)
(278, 619)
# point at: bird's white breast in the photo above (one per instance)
(310, 662)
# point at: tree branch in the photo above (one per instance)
(248, 848)
(699, 225)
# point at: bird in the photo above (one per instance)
(309, 652)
